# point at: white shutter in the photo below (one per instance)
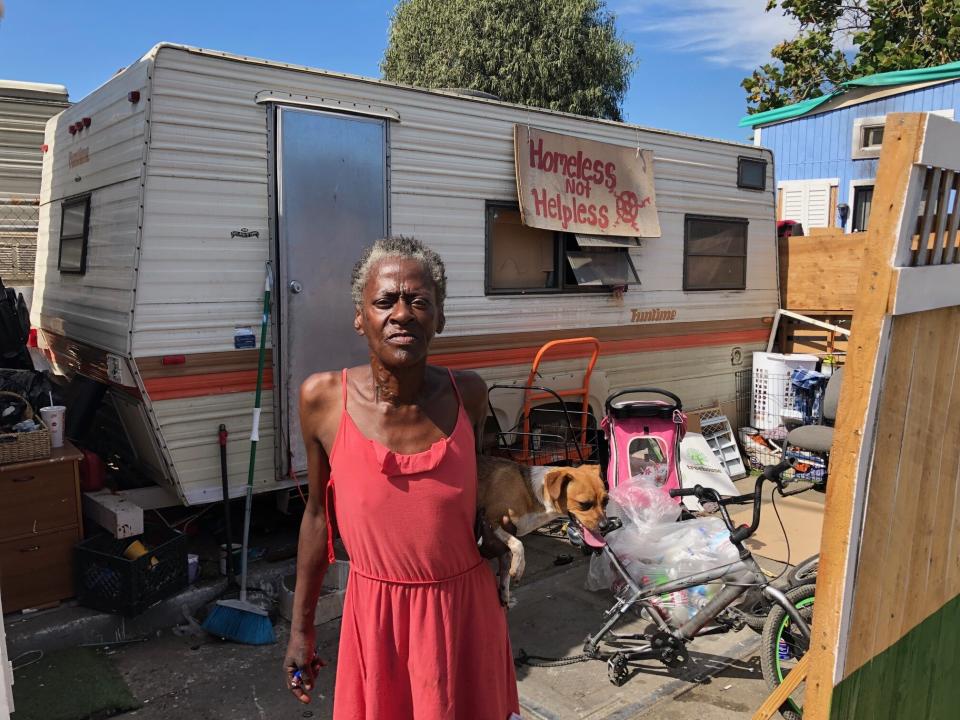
(818, 206)
(793, 204)
(807, 201)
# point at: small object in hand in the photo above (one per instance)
(296, 677)
(563, 559)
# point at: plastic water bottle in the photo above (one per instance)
(783, 650)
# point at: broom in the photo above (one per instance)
(239, 620)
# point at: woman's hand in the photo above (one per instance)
(301, 664)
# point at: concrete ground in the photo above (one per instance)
(199, 677)
(180, 673)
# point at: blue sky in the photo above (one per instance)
(693, 53)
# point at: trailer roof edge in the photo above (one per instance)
(155, 51)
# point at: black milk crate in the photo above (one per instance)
(108, 581)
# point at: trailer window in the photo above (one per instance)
(751, 173)
(519, 257)
(601, 268)
(522, 259)
(74, 229)
(714, 253)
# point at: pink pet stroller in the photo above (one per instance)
(643, 437)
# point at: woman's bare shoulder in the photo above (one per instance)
(473, 390)
(469, 381)
(319, 389)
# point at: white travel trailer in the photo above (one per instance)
(166, 191)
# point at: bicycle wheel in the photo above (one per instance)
(805, 572)
(783, 645)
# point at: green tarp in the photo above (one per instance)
(897, 77)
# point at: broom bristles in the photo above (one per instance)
(240, 622)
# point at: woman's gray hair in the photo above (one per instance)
(405, 248)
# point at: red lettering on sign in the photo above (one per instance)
(577, 187)
(604, 220)
(539, 202)
(567, 210)
(573, 167)
(611, 172)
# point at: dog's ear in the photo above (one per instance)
(555, 483)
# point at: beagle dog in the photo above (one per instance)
(523, 498)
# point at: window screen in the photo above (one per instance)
(715, 253)
(752, 173)
(648, 457)
(74, 229)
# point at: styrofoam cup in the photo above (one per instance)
(54, 417)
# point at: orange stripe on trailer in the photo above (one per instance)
(221, 383)
(525, 355)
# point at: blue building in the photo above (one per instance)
(825, 149)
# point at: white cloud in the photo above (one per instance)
(725, 32)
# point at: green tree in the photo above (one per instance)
(878, 35)
(558, 54)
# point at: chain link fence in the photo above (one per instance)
(19, 221)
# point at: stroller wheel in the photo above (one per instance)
(617, 669)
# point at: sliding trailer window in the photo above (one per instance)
(714, 253)
(525, 260)
(74, 232)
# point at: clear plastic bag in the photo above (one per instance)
(654, 548)
(642, 501)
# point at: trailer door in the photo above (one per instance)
(332, 202)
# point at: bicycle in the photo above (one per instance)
(786, 632)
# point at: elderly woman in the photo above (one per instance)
(391, 445)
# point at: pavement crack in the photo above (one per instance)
(256, 701)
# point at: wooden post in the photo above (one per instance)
(886, 622)
(779, 696)
(903, 138)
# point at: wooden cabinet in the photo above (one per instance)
(40, 522)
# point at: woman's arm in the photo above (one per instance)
(315, 411)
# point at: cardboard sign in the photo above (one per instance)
(574, 185)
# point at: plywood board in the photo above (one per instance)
(820, 272)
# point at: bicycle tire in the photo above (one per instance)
(755, 613)
(804, 573)
(777, 628)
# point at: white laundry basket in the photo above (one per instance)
(772, 390)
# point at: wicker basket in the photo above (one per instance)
(23, 447)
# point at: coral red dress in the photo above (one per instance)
(423, 636)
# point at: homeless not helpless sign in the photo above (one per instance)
(582, 186)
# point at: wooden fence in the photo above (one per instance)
(819, 273)
(886, 626)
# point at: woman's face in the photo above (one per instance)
(399, 314)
